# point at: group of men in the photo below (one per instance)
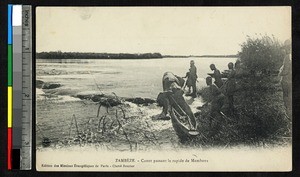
(219, 90)
(172, 83)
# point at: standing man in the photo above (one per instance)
(216, 75)
(193, 78)
(230, 87)
(286, 74)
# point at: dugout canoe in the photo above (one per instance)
(182, 117)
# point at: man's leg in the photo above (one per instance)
(166, 106)
(194, 94)
(165, 103)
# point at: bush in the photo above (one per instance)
(258, 99)
(260, 114)
(261, 55)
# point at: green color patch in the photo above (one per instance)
(9, 65)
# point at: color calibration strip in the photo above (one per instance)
(9, 91)
(19, 87)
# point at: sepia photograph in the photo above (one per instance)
(163, 88)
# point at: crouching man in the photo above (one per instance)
(216, 102)
(171, 84)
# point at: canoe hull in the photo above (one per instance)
(180, 108)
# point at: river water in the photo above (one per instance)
(126, 78)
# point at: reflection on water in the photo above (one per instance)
(61, 61)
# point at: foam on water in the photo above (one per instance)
(150, 114)
(41, 95)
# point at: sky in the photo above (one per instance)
(167, 30)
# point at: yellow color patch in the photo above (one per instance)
(9, 106)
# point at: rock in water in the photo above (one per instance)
(46, 142)
(149, 101)
(139, 101)
(39, 84)
(109, 102)
(93, 97)
(97, 98)
(51, 85)
(104, 100)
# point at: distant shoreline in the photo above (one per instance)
(79, 55)
(200, 56)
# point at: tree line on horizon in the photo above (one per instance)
(90, 55)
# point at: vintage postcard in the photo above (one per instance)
(163, 89)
